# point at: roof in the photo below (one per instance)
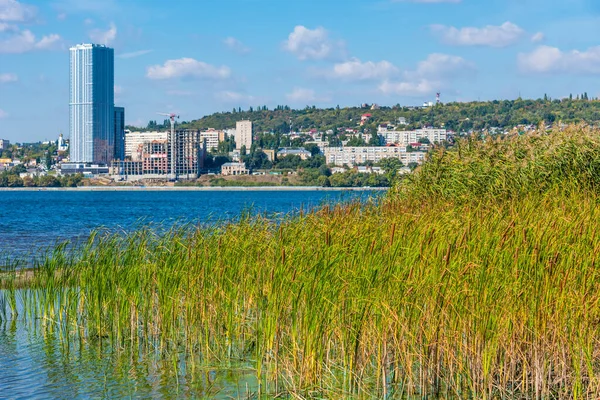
(234, 164)
(293, 151)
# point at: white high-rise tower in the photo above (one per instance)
(243, 135)
(91, 105)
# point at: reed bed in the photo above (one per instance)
(463, 283)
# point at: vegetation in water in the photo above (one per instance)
(476, 277)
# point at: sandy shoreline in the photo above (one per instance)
(194, 189)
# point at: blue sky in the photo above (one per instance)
(195, 57)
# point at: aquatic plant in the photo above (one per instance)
(477, 279)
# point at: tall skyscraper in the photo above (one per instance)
(119, 133)
(92, 104)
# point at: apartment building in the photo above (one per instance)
(213, 138)
(404, 138)
(352, 156)
(243, 135)
(134, 142)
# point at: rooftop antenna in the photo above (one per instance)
(172, 117)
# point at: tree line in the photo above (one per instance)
(12, 178)
(454, 116)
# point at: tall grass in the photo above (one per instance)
(478, 279)
(499, 168)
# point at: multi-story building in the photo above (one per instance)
(119, 131)
(243, 135)
(150, 155)
(233, 169)
(127, 169)
(155, 157)
(91, 104)
(213, 138)
(352, 156)
(189, 154)
(301, 152)
(4, 144)
(404, 138)
(134, 142)
(84, 168)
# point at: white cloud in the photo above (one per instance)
(439, 65)
(236, 45)
(410, 88)
(13, 11)
(302, 95)
(134, 54)
(61, 16)
(104, 37)
(538, 37)
(234, 97)
(187, 67)
(118, 89)
(429, 76)
(546, 59)
(490, 35)
(15, 40)
(311, 44)
(8, 78)
(48, 42)
(24, 41)
(358, 70)
(4, 27)
(3, 114)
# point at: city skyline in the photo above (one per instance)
(251, 53)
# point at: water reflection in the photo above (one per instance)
(36, 363)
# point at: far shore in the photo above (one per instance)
(194, 189)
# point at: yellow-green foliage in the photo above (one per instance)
(477, 280)
(501, 167)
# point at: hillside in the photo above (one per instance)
(454, 116)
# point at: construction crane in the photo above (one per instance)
(172, 117)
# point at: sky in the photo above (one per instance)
(196, 57)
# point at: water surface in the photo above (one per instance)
(31, 221)
(38, 363)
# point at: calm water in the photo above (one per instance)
(36, 365)
(33, 221)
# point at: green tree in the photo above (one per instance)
(48, 160)
(48, 181)
(14, 181)
(18, 169)
(356, 141)
(391, 166)
(257, 160)
(375, 140)
(313, 148)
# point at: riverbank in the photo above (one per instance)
(197, 189)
